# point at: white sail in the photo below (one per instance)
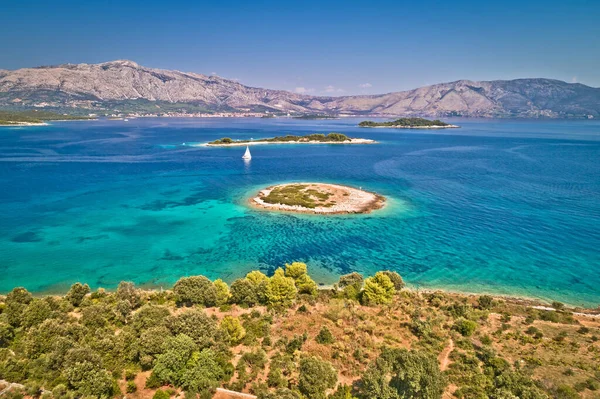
(247, 154)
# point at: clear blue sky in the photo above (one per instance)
(322, 47)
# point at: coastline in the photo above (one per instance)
(523, 300)
(241, 144)
(349, 200)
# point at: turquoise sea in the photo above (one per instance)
(499, 206)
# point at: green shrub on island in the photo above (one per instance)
(298, 195)
(318, 137)
(404, 122)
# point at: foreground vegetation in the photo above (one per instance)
(282, 337)
(318, 137)
(34, 116)
(405, 122)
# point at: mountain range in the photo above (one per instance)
(125, 86)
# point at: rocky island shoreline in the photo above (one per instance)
(317, 198)
(317, 138)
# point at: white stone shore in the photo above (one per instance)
(348, 200)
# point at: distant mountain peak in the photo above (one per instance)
(121, 63)
(116, 83)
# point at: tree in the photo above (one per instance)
(203, 374)
(316, 377)
(35, 313)
(403, 374)
(351, 284)
(243, 292)
(465, 327)
(6, 334)
(259, 281)
(195, 290)
(295, 269)
(222, 291)
(151, 343)
(126, 291)
(83, 370)
(304, 284)
(374, 382)
(19, 295)
(396, 279)
(281, 290)
(170, 365)
(342, 392)
(195, 323)
(76, 293)
(149, 316)
(232, 329)
(379, 290)
(16, 303)
(351, 279)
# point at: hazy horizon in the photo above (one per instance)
(313, 48)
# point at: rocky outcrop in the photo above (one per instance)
(118, 84)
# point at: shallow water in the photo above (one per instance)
(507, 207)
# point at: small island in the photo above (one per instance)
(410, 123)
(34, 118)
(317, 138)
(319, 198)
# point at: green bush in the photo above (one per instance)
(131, 387)
(316, 377)
(396, 279)
(76, 293)
(160, 394)
(485, 302)
(195, 290)
(465, 327)
(325, 337)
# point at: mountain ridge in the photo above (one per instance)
(124, 84)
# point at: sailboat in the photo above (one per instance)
(247, 154)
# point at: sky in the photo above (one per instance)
(314, 47)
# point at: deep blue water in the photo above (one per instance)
(507, 207)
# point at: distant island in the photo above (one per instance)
(34, 118)
(410, 123)
(318, 198)
(317, 138)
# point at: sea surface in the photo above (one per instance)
(498, 206)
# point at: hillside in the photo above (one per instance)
(128, 87)
(281, 337)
